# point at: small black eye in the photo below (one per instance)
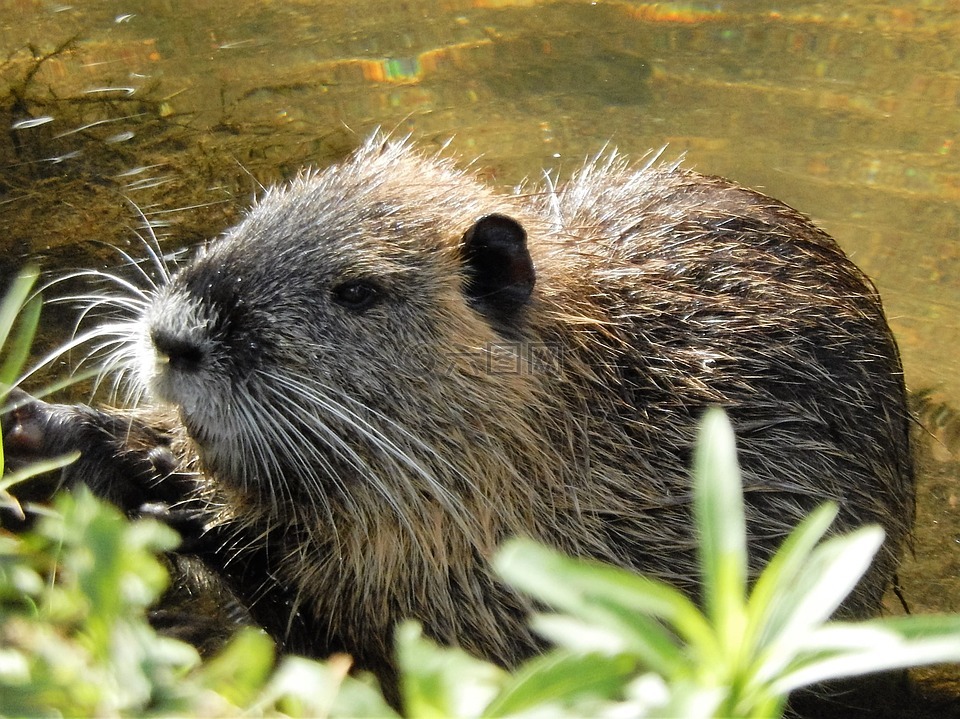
(357, 295)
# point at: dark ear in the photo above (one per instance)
(500, 274)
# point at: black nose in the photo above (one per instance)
(181, 352)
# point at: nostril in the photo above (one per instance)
(181, 352)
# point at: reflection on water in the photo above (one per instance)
(846, 110)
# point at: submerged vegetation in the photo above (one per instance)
(76, 588)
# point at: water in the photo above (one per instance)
(846, 110)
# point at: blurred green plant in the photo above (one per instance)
(75, 640)
(631, 646)
(19, 314)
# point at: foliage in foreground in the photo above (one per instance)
(74, 639)
(630, 646)
(73, 595)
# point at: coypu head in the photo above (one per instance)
(304, 347)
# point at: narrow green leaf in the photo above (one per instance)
(834, 567)
(919, 626)
(577, 586)
(767, 612)
(833, 570)
(655, 647)
(442, 682)
(840, 650)
(718, 509)
(36, 468)
(765, 606)
(560, 679)
(690, 700)
(57, 385)
(13, 301)
(17, 305)
(643, 634)
(304, 688)
(241, 669)
(18, 349)
(578, 635)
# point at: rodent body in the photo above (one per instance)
(386, 369)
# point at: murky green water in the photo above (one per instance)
(849, 111)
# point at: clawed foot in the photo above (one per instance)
(122, 460)
(28, 430)
(25, 423)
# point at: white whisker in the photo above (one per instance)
(400, 462)
(152, 246)
(127, 285)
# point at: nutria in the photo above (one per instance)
(387, 368)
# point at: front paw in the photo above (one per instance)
(122, 460)
(29, 430)
(32, 431)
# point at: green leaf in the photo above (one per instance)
(920, 626)
(837, 650)
(578, 635)
(831, 572)
(10, 479)
(769, 613)
(11, 309)
(586, 589)
(240, 670)
(690, 700)
(305, 688)
(14, 300)
(766, 610)
(36, 468)
(645, 640)
(360, 697)
(560, 679)
(19, 348)
(718, 510)
(442, 682)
